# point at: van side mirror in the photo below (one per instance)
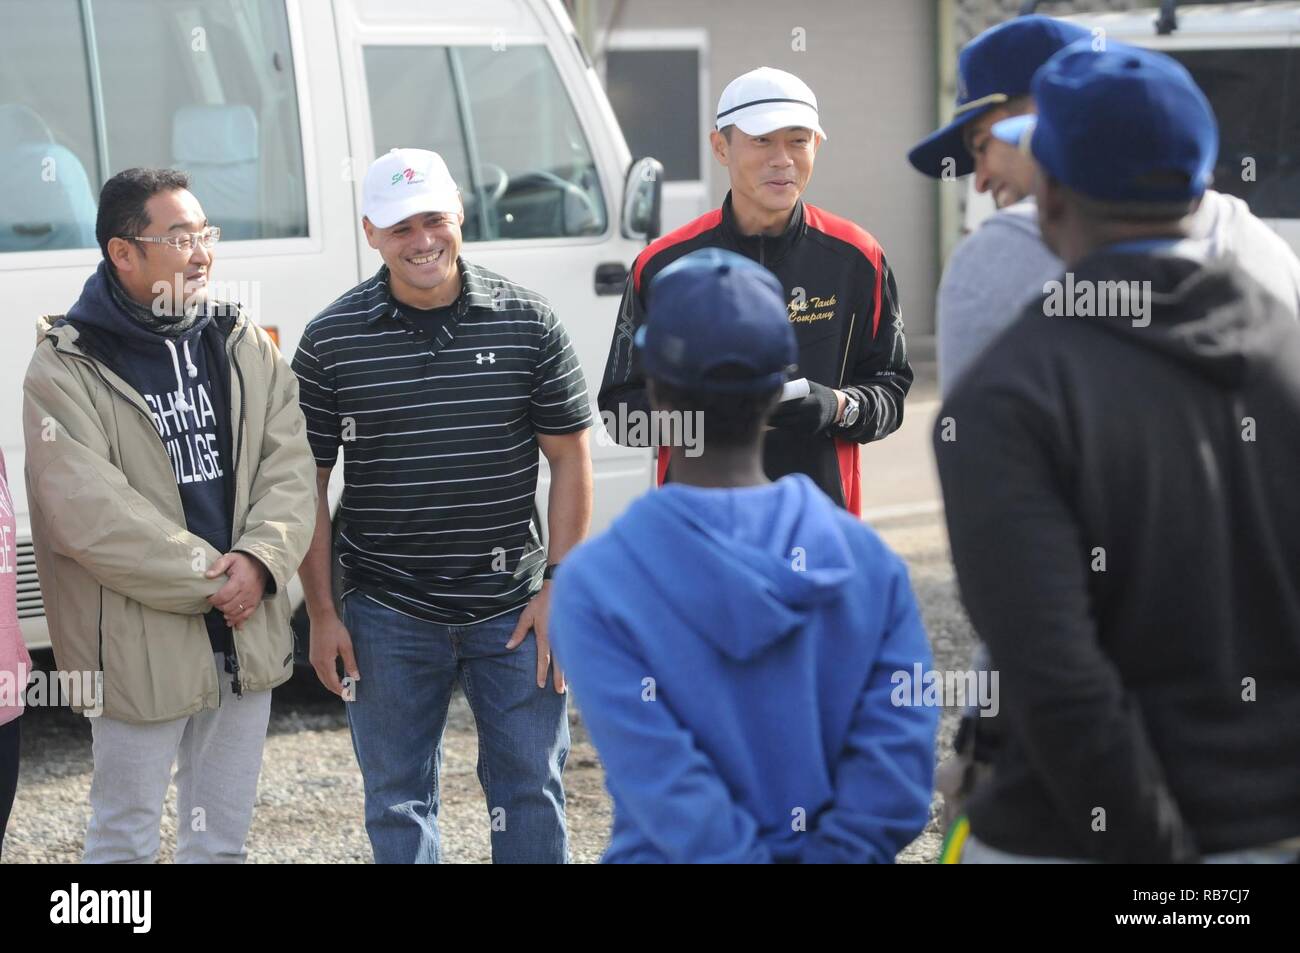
(643, 199)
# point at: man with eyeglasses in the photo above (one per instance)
(172, 498)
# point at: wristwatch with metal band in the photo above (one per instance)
(852, 408)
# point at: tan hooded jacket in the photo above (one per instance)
(121, 576)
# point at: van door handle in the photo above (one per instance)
(611, 276)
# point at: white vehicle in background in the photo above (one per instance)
(275, 108)
(1246, 58)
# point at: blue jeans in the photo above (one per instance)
(408, 671)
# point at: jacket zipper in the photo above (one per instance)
(239, 440)
(848, 344)
(103, 678)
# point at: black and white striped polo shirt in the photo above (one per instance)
(439, 441)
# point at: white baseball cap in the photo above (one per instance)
(765, 99)
(405, 182)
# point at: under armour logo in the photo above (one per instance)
(491, 357)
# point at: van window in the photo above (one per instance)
(207, 88)
(49, 166)
(1254, 95)
(503, 122)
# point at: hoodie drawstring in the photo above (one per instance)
(182, 404)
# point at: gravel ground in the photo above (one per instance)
(309, 806)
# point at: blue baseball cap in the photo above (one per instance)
(713, 308)
(1123, 124)
(996, 66)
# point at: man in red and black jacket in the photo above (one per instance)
(840, 292)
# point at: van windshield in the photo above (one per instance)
(504, 123)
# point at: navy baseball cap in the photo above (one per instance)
(1123, 124)
(713, 308)
(996, 66)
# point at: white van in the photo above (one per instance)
(275, 108)
(1246, 59)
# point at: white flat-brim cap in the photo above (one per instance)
(766, 99)
(406, 182)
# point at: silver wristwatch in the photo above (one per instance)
(852, 408)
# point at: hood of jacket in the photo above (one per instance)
(1214, 319)
(109, 332)
(771, 553)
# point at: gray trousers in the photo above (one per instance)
(219, 756)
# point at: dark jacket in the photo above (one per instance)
(844, 307)
(1122, 510)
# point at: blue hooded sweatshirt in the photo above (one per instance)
(184, 381)
(732, 652)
